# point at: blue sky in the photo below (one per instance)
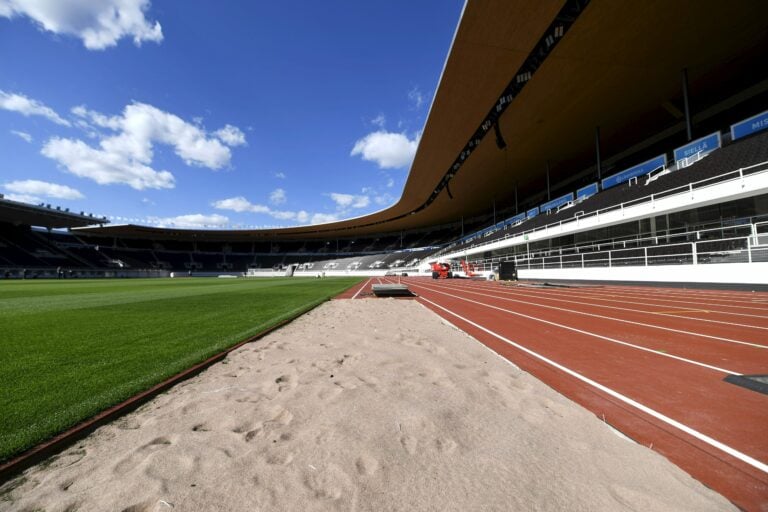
(220, 114)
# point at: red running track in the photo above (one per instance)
(649, 361)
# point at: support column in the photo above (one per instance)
(597, 154)
(516, 212)
(686, 105)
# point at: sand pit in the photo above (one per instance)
(359, 405)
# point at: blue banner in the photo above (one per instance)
(701, 146)
(749, 126)
(532, 212)
(589, 190)
(517, 218)
(638, 170)
(551, 205)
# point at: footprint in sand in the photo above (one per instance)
(445, 445)
(280, 458)
(252, 434)
(133, 460)
(128, 424)
(328, 483)
(286, 382)
(144, 506)
(284, 417)
(329, 393)
(409, 443)
(367, 465)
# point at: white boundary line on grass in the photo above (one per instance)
(760, 466)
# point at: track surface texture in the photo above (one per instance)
(649, 361)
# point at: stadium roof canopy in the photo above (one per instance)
(616, 64)
(18, 213)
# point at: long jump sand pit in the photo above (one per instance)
(359, 405)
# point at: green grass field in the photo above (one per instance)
(69, 349)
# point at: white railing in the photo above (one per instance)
(742, 249)
(738, 174)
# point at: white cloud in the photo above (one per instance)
(390, 183)
(389, 150)
(383, 200)
(105, 167)
(125, 152)
(23, 198)
(240, 204)
(24, 135)
(380, 120)
(195, 220)
(97, 118)
(416, 97)
(27, 106)
(98, 23)
(324, 218)
(43, 188)
(350, 200)
(280, 175)
(230, 135)
(277, 196)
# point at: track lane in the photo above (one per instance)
(695, 349)
(724, 333)
(694, 395)
(734, 299)
(720, 307)
(582, 347)
(712, 317)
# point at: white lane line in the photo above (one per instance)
(694, 318)
(587, 333)
(615, 394)
(361, 288)
(736, 296)
(653, 326)
(560, 297)
(622, 297)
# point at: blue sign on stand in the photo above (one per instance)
(749, 126)
(589, 190)
(638, 170)
(700, 146)
(532, 212)
(517, 218)
(551, 205)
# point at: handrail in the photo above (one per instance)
(737, 174)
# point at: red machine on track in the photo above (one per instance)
(469, 269)
(441, 270)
